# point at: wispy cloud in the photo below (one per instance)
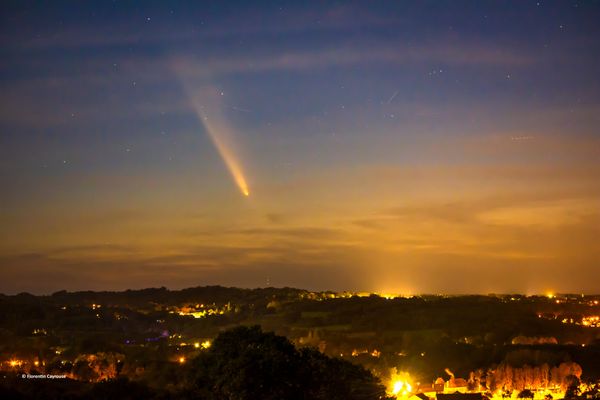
(437, 54)
(250, 23)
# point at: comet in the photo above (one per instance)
(207, 103)
(229, 158)
(221, 137)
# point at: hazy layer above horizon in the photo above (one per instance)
(401, 148)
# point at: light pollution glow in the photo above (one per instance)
(405, 160)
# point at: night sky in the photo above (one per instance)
(406, 147)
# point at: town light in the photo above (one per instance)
(400, 385)
(401, 388)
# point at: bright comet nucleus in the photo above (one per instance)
(207, 104)
(216, 135)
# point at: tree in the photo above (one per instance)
(336, 379)
(120, 388)
(573, 389)
(246, 363)
(593, 391)
(525, 394)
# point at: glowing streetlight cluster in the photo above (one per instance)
(400, 384)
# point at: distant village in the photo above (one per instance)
(419, 347)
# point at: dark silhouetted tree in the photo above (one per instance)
(245, 363)
(120, 388)
(525, 394)
(573, 389)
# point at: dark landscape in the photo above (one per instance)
(300, 200)
(210, 341)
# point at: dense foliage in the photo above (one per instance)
(506, 341)
(243, 364)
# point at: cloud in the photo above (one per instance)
(202, 264)
(365, 53)
(276, 218)
(257, 23)
(417, 246)
(94, 250)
